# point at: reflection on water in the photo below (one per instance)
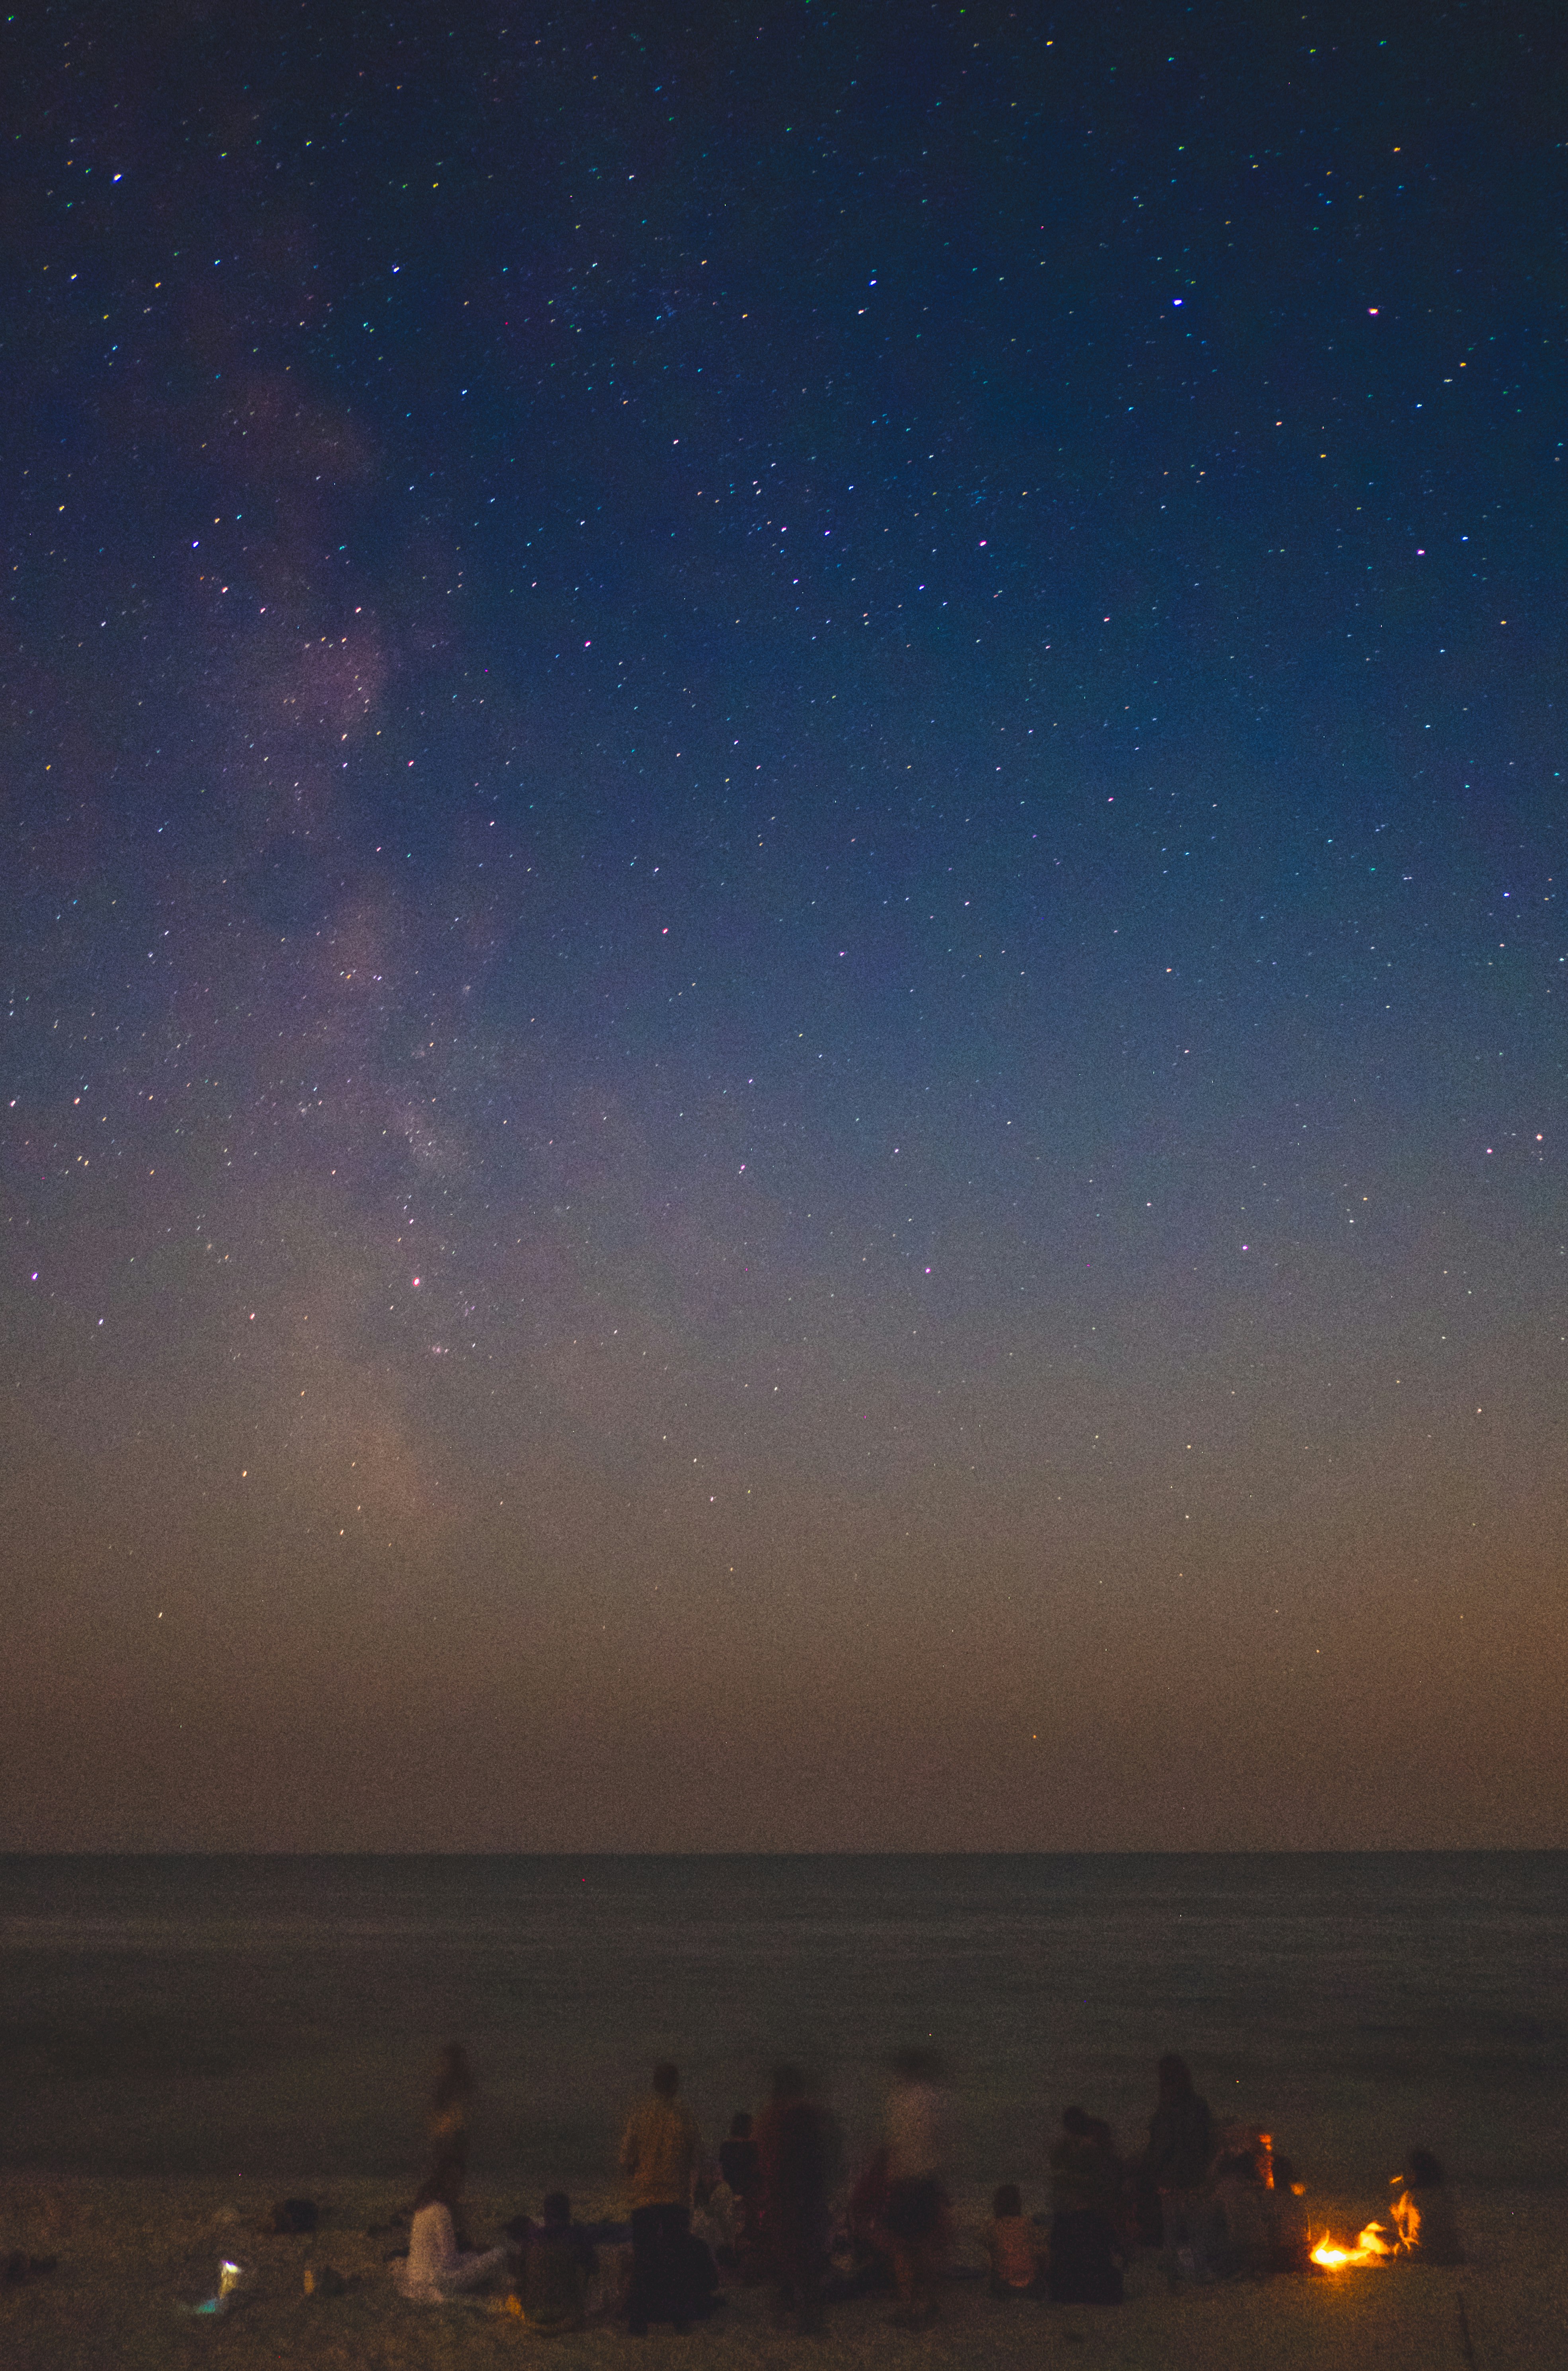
(280, 2017)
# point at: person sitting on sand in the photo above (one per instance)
(1425, 2212)
(559, 2263)
(1017, 2248)
(659, 2156)
(1177, 2160)
(1083, 2267)
(436, 2267)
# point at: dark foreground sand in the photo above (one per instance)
(128, 2250)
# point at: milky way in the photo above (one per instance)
(784, 809)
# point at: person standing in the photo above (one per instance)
(1083, 2269)
(661, 2152)
(796, 2153)
(916, 2209)
(1181, 2145)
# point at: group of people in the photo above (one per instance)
(1216, 2201)
(1213, 2200)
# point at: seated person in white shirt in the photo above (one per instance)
(436, 2267)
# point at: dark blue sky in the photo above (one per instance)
(783, 806)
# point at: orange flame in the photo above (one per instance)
(1371, 2248)
(1406, 2222)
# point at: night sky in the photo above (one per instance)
(783, 810)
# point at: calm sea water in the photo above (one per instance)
(279, 2019)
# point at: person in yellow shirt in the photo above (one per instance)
(660, 2153)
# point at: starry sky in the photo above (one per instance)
(785, 972)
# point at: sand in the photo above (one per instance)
(128, 2250)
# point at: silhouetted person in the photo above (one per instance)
(796, 2157)
(559, 2263)
(1181, 2145)
(659, 2156)
(1084, 2269)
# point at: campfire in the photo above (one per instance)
(1407, 2220)
(1372, 2247)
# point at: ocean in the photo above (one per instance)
(278, 2020)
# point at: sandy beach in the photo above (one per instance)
(128, 2253)
(189, 2045)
